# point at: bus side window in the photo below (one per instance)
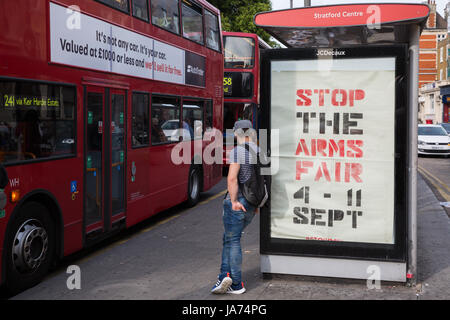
(140, 9)
(37, 120)
(192, 120)
(165, 120)
(212, 31)
(208, 119)
(192, 19)
(140, 121)
(165, 14)
(121, 5)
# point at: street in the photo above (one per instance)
(436, 172)
(176, 256)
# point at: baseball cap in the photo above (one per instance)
(242, 124)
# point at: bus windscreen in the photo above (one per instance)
(239, 52)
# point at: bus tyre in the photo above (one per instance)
(194, 186)
(29, 247)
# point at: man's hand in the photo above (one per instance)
(237, 206)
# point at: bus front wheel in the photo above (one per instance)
(29, 247)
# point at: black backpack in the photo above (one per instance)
(254, 189)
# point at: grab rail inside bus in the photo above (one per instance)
(97, 200)
(18, 155)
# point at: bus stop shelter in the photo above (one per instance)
(340, 103)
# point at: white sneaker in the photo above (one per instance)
(236, 289)
(222, 286)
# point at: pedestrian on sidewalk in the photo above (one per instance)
(237, 211)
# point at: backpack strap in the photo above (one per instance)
(252, 152)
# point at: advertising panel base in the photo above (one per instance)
(335, 268)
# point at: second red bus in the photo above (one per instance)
(241, 82)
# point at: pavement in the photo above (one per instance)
(178, 258)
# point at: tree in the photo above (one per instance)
(237, 15)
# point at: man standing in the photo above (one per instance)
(237, 212)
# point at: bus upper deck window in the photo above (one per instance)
(165, 14)
(212, 31)
(140, 9)
(121, 5)
(192, 21)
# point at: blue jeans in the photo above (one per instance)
(234, 223)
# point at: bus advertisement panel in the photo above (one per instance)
(102, 46)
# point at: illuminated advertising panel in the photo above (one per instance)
(337, 188)
(336, 120)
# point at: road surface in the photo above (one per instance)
(436, 172)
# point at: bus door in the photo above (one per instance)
(104, 155)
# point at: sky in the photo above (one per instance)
(284, 4)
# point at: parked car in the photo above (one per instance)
(433, 139)
(446, 126)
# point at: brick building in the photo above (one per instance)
(434, 31)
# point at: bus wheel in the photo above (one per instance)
(194, 186)
(30, 247)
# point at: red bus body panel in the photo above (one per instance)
(159, 184)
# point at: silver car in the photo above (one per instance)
(433, 140)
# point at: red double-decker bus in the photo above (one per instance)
(240, 81)
(92, 96)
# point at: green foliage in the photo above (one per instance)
(237, 15)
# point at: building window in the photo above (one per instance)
(37, 121)
(166, 14)
(192, 21)
(140, 9)
(140, 121)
